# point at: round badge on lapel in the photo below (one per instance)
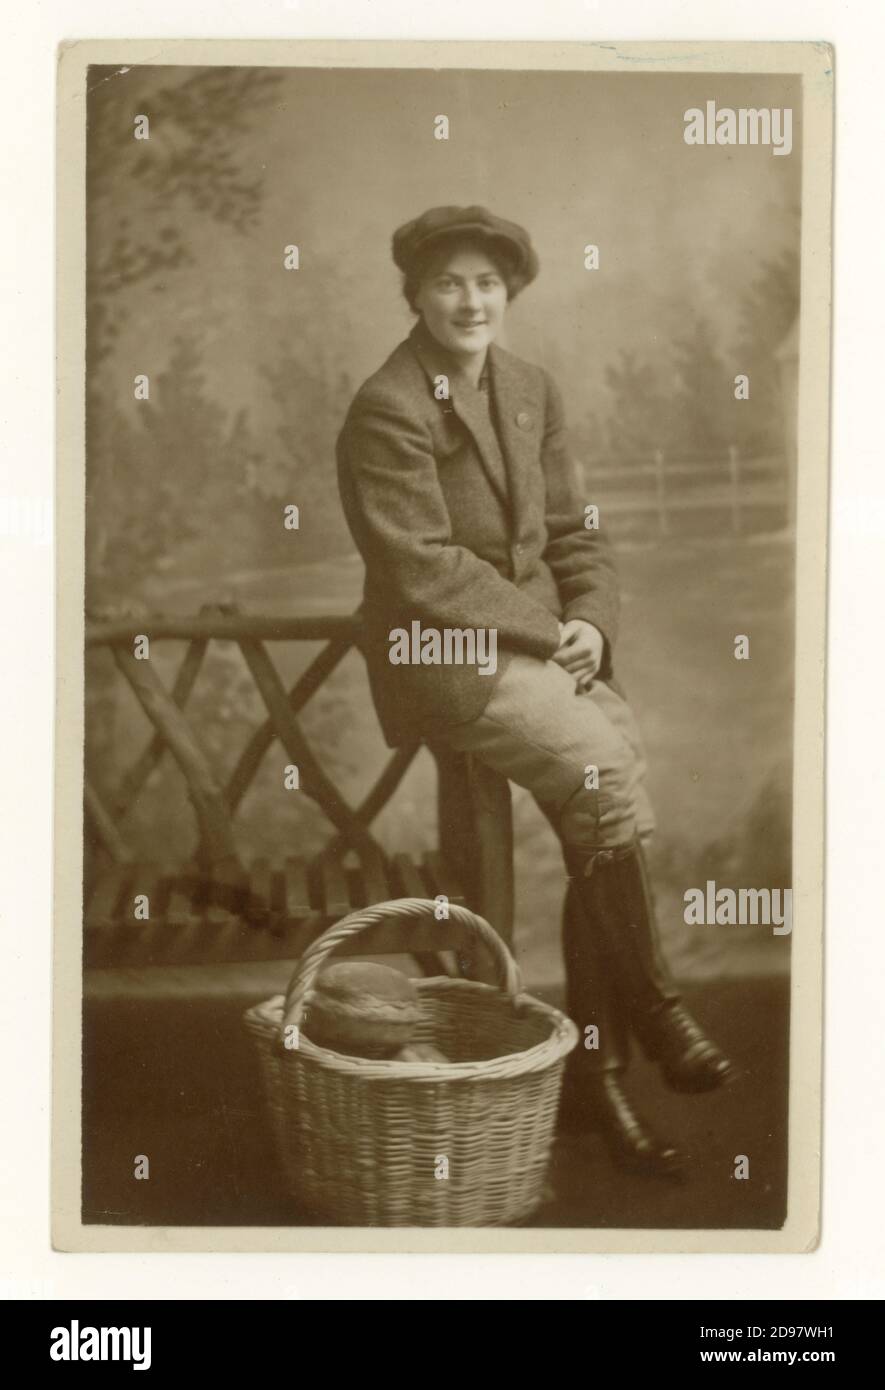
(524, 420)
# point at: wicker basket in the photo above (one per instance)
(386, 1143)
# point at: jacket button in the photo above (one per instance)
(524, 420)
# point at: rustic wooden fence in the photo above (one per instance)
(655, 494)
(215, 906)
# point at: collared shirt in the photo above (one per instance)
(483, 393)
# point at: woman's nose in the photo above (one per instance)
(470, 298)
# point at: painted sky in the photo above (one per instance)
(349, 155)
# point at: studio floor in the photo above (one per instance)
(173, 1077)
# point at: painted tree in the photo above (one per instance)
(769, 307)
(141, 196)
(138, 188)
(638, 416)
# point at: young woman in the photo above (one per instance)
(461, 496)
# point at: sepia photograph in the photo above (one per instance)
(445, 437)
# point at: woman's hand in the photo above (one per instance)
(580, 650)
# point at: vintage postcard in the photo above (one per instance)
(442, 482)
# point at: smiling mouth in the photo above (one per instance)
(479, 323)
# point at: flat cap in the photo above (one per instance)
(437, 223)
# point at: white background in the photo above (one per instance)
(850, 1262)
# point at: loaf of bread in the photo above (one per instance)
(419, 1052)
(361, 1008)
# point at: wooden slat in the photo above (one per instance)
(185, 933)
(416, 938)
(230, 928)
(200, 943)
(223, 901)
(182, 909)
(112, 935)
(409, 883)
(374, 878)
(443, 877)
(252, 937)
(335, 891)
(148, 879)
(259, 904)
(136, 941)
(222, 904)
(296, 895)
(390, 938)
(393, 938)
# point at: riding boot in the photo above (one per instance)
(593, 1099)
(616, 894)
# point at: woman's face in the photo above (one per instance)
(462, 301)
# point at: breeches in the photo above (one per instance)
(581, 756)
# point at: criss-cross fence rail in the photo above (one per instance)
(215, 907)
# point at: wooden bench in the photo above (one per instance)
(216, 908)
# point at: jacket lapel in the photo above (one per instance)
(466, 403)
(519, 423)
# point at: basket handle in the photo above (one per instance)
(310, 964)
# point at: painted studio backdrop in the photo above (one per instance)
(251, 367)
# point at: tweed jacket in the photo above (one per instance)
(464, 526)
